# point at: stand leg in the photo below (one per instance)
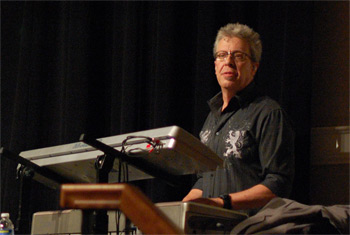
(24, 175)
(94, 222)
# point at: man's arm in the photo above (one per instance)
(254, 197)
(193, 194)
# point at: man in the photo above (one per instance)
(249, 131)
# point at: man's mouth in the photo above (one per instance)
(230, 74)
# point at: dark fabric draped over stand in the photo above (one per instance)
(107, 68)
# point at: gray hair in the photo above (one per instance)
(244, 32)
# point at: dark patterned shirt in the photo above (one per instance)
(255, 138)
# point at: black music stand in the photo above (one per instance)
(96, 221)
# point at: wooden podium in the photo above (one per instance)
(127, 198)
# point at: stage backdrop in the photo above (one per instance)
(106, 68)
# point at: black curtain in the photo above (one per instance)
(106, 68)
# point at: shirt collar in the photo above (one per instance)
(242, 98)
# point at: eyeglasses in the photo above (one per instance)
(238, 56)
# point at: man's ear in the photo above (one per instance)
(255, 67)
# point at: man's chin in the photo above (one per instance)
(229, 82)
(230, 78)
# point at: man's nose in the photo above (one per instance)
(230, 60)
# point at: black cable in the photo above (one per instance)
(127, 170)
(123, 174)
(148, 140)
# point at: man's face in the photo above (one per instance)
(234, 75)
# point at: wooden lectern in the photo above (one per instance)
(130, 200)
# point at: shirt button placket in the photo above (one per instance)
(217, 136)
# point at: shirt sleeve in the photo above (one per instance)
(199, 182)
(276, 152)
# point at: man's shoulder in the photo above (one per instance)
(264, 104)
